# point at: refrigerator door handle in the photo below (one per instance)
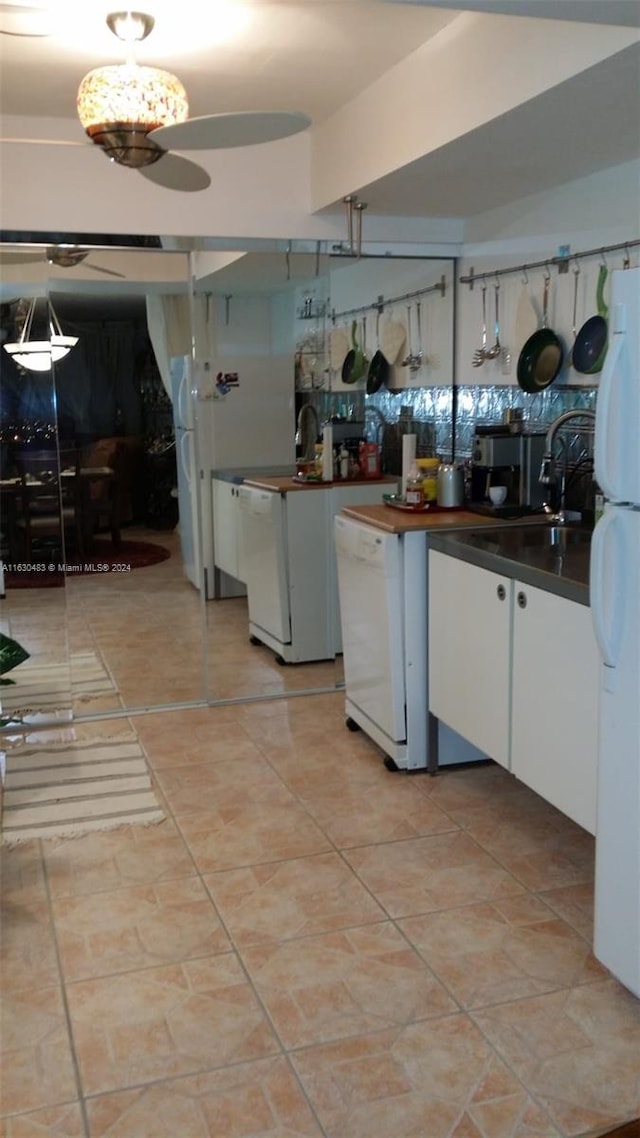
(609, 420)
(608, 596)
(186, 457)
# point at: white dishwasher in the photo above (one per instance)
(370, 584)
(383, 587)
(264, 551)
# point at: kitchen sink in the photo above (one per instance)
(546, 537)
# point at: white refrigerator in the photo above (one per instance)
(250, 427)
(615, 607)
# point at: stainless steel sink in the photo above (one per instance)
(554, 538)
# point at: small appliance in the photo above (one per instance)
(504, 457)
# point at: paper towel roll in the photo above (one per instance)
(327, 454)
(408, 459)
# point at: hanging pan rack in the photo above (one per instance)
(561, 262)
(382, 301)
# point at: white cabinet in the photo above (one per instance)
(514, 669)
(227, 547)
(469, 652)
(554, 693)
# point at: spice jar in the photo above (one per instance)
(414, 494)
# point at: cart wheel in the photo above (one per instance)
(390, 763)
(351, 724)
(254, 640)
(281, 661)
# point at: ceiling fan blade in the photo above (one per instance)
(241, 128)
(20, 20)
(175, 173)
(20, 258)
(101, 269)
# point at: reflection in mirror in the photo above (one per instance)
(36, 519)
(273, 622)
(155, 611)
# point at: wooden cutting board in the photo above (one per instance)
(393, 340)
(338, 347)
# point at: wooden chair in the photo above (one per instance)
(50, 508)
(101, 493)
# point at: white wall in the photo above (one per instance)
(586, 214)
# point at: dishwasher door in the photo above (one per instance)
(264, 548)
(370, 585)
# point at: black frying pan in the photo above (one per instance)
(378, 373)
(590, 346)
(541, 357)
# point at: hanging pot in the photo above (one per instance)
(590, 347)
(541, 357)
(355, 364)
(378, 373)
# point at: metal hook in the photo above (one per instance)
(603, 259)
(497, 284)
(627, 259)
(577, 268)
(547, 271)
(525, 278)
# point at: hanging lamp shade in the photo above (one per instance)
(119, 105)
(38, 355)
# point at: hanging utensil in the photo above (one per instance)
(494, 352)
(394, 337)
(420, 355)
(541, 357)
(480, 354)
(411, 360)
(574, 330)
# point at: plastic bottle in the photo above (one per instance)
(429, 470)
(344, 462)
(415, 489)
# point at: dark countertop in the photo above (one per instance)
(543, 556)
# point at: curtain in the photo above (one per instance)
(169, 325)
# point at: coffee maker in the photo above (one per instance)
(504, 457)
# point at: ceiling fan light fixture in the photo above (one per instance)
(39, 355)
(119, 105)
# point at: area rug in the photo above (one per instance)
(48, 687)
(73, 789)
(104, 560)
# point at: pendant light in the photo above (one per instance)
(38, 355)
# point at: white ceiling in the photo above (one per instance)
(316, 56)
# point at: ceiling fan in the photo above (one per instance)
(62, 256)
(138, 114)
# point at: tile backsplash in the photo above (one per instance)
(435, 406)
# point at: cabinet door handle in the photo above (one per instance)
(522, 600)
(502, 592)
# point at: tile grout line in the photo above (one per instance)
(65, 1002)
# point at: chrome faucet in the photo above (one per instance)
(548, 472)
(308, 428)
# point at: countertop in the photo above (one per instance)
(405, 521)
(239, 474)
(540, 556)
(286, 484)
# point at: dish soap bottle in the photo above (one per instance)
(415, 489)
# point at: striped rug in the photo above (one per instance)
(51, 687)
(72, 789)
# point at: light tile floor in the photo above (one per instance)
(307, 946)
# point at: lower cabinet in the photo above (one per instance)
(226, 528)
(554, 693)
(515, 669)
(469, 630)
